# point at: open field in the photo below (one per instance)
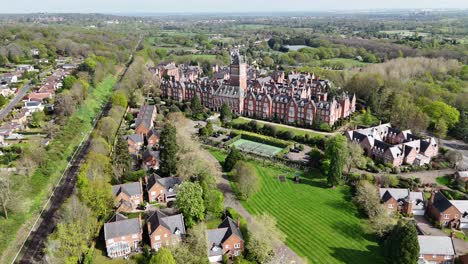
(256, 148)
(297, 131)
(320, 223)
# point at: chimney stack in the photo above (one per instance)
(238, 222)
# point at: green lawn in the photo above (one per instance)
(297, 132)
(443, 180)
(320, 223)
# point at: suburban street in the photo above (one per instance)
(18, 97)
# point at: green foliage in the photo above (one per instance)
(402, 244)
(121, 159)
(68, 82)
(190, 202)
(336, 152)
(119, 98)
(169, 149)
(196, 106)
(3, 100)
(439, 111)
(213, 201)
(247, 182)
(232, 158)
(38, 119)
(163, 256)
(225, 113)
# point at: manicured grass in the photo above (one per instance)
(320, 223)
(34, 190)
(297, 132)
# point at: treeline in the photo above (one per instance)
(16, 43)
(416, 93)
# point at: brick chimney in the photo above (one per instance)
(238, 222)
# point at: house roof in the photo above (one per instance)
(436, 245)
(137, 138)
(167, 182)
(417, 198)
(173, 222)
(119, 225)
(217, 236)
(145, 116)
(440, 202)
(131, 188)
(462, 206)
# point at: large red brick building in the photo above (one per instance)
(298, 99)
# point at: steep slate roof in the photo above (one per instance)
(173, 223)
(119, 225)
(436, 245)
(217, 236)
(145, 116)
(131, 188)
(440, 202)
(462, 206)
(399, 194)
(137, 138)
(167, 182)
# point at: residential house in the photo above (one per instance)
(165, 230)
(145, 119)
(162, 190)
(127, 196)
(33, 106)
(39, 97)
(440, 209)
(122, 235)
(151, 159)
(135, 143)
(436, 250)
(461, 175)
(462, 207)
(225, 240)
(403, 201)
(153, 138)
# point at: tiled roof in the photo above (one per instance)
(119, 226)
(174, 223)
(131, 188)
(436, 245)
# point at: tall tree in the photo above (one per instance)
(121, 159)
(264, 237)
(5, 193)
(355, 156)
(168, 150)
(196, 105)
(402, 244)
(246, 180)
(336, 150)
(190, 202)
(164, 256)
(226, 113)
(232, 158)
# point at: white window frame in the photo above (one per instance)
(446, 216)
(390, 206)
(448, 257)
(237, 245)
(157, 238)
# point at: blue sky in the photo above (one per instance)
(195, 6)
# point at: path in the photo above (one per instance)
(285, 253)
(18, 97)
(425, 176)
(292, 127)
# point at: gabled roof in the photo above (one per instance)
(440, 202)
(145, 116)
(137, 138)
(131, 188)
(216, 237)
(436, 245)
(119, 225)
(174, 223)
(167, 182)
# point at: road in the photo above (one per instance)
(18, 97)
(33, 249)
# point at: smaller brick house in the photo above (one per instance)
(403, 201)
(127, 196)
(151, 159)
(443, 211)
(122, 235)
(145, 119)
(436, 249)
(162, 189)
(165, 230)
(135, 143)
(153, 138)
(225, 240)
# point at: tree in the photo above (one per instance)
(264, 237)
(355, 156)
(38, 119)
(438, 110)
(336, 151)
(168, 150)
(119, 98)
(107, 128)
(64, 105)
(193, 251)
(196, 105)
(121, 159)
(440, 128)
(402, 244)
(164, 256)
(226, 113)
(5, 193)
(454, 157)
(213, 200)
(190, 202)
(3, 100)
(232, 158)
(246, 180)
(68, 82)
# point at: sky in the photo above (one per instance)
(197, 6)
